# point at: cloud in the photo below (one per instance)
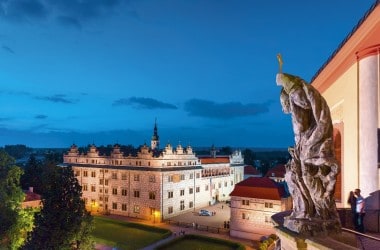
(41, 117)
(228, 110)
(7, 49)
(56, 99)
(143, 103)
(70, 13)
(22, 10)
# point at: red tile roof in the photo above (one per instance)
(260, 188)
(251, 170)
(277, 171)
(213, 160)
(30, 196)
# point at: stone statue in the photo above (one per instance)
(311, 173)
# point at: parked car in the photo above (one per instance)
(203, 212)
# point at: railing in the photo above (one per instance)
(365, 241)
(216, 230)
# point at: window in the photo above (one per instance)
(136, 209)
(114, 175)
(232, 183)
(182, 205)
(191, 190)
(123, 176)
(170, 194)
(106, 190)
(152, 178)
(114, 205)
(106, 198)
(124, 192)
(100, 198)
(206, 188)
(106, 182)
(182, 177)
(101, 181)
(191, 204)
(191, 176)
(77, 173)
(124, 207)
(219, 185)
(198, 175)
(136, 193)
(170, 210)
(100, 190)
(84, 187)
(245, 202)
(197, 189)
(93, 188)
(93, 174)
(170, 178)
(136, 177)
(114, 191)
(182, 192)
(244, 216)
(225, 184)
(152, 195)
(268, 219)
(85, 173)
(268, 205)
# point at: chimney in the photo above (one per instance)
(31, 189)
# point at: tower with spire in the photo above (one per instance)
(155, 142)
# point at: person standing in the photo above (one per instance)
(360, 211)
(352, 201)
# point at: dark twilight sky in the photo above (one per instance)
(93, 71)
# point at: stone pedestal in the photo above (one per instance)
(289, 240)
(312, 227)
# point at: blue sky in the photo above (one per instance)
(93, 71)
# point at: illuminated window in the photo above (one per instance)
(136, 209)
(182, 205)
(170, 210)
(114, 191)
(114, 205)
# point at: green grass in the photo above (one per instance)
(125, 235)
(199, 242)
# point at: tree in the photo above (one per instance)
(249, 156)
(15, 222)
(63, 219)
(33, 175)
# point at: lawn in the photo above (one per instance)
(125, 235)
(199, 242)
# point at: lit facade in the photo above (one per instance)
(155, 184)
(253, 202)
(349, 81)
